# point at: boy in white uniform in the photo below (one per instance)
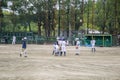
(56, 50)
(14, 40)
(63, 48)
(54, 47)
(93, 45)
(77, 47)
(60, 46)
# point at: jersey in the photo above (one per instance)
(24, 44)
(77, 43)
(63, 46)
(93, 43)
(14, 38)
(56, 48)
(63, 43)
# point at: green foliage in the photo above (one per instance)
(42, 16)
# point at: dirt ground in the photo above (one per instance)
(41, 65)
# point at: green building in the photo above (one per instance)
(101, 40)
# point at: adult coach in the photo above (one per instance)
(24, 46)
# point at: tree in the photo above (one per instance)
(2, 4)
(102, 15)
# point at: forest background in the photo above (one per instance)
(52, 18)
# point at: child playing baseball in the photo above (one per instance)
(63, 47)
(93, 45)
(77, 47)
(55, 49)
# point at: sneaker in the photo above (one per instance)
(20, 55)
(25, 56)
(77, 54)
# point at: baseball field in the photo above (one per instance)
(42, 65)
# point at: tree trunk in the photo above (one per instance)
(104, 19)
(88, 18)
(39, 27)
(75, 15)
(29, 27)
(1, 15)
(116, 28)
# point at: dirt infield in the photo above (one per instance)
(41, 65)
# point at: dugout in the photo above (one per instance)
(101, 40)
(19, 36)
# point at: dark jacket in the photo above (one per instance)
(24, 43)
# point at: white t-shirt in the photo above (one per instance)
(14, 38)
(93, 42)
(77, 43)
(60, 43)
(63, 43)
(56, 48)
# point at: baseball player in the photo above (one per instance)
(60, 46)
(77, 47)
(63, 47)
(56, 49)
(93, 45)
(24, 46)
(13, 40)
